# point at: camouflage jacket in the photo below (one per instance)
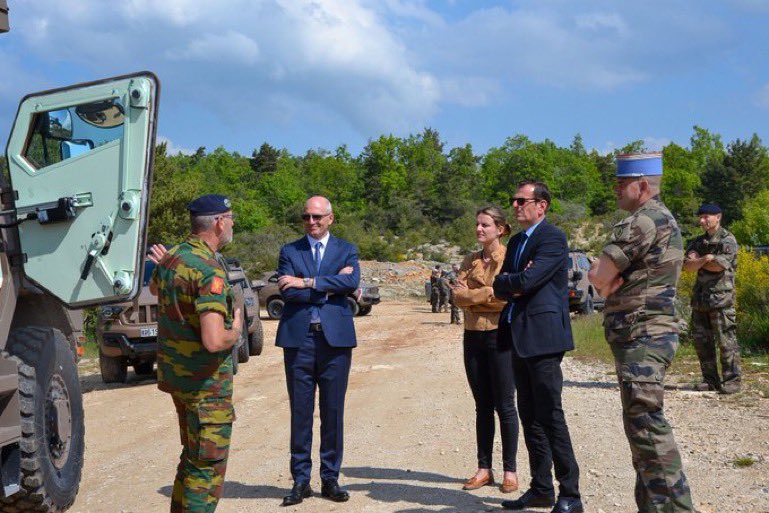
(715, 289)
(647, 249)
(191, 281)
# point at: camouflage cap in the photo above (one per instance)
(209, 205)
(709, 209)
(634, 165)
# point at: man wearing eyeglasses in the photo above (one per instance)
(317, 334)
(637, 273)
(535, 323)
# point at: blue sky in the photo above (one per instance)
(304, 74)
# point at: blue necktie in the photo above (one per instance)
(315, 313)
(516, 263)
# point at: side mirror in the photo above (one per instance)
(576, 275)
(58, 124)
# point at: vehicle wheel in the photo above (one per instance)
(144, 368)
(256, 339)
(365, 310)
(113, 369)
(353, 305)
(587, 307)
(275, 308)
(52, 429)
(234, 360)
(243, 351)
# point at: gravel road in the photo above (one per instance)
(409, 433)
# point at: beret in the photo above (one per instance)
(633, 165)
(209, 205)
(709, 209)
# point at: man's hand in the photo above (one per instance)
(346, 270)
(156, 253)
(605, 276)
(287, 282)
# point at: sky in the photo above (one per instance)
(317, 74)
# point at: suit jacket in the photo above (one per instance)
(329, 294)
(540, 322)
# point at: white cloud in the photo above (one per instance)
(171, 148)
(656, 143)
(600, 21)
(761, 97)
(230, 46)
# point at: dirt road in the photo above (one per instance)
(409, 438)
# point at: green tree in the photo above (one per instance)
(265, 160)
(753, 228)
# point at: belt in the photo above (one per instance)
(316, 326)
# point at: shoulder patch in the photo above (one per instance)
(217, 285)
(727, 249)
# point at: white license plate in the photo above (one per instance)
(149, 332)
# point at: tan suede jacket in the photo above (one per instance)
(477, 300)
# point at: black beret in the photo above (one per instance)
(709, 209)
(209, 205)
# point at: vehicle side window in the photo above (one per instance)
(66, 133)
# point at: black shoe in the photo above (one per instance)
(331, 490)
(530, 499)
(568, 505)
(299, 492)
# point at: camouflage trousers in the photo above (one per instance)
(717, 328)
(205, 427)
(435, 296)
(661, 485)
(455, 315)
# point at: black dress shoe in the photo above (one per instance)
(568, 505)
(530, 499)
(299, 492)
(331, 490)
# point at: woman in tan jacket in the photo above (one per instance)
(488, 365)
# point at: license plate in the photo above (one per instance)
(149, 332)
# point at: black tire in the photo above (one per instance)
(256, 339)
(243, 352)
(234, 360)
(144, 368)
(365, 310)
(587, 307)
(49, 392)
(114, 369)
(353, 305)
(275, 308)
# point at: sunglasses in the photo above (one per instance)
(519, 202)
(314, 217)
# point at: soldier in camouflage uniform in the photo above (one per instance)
(637, 273)
(435, 288)
(196, 331)
(443, 292)
(713, 255)
(452, 279)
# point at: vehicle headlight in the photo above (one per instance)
(111, 311)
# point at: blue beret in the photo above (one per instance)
(209, 205)
(633, 165)
(709, 209)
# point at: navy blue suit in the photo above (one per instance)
(317, 358)
(540, 333)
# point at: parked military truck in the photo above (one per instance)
(74, 206)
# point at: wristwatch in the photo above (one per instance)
(306, 282)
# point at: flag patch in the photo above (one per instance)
(217, 286)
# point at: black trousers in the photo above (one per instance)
(492, 381)
(539, 382)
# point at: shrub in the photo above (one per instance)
(753, 301)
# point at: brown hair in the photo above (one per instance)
(498, 215)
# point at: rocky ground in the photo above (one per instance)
(409, 430)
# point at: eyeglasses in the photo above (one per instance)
(314, 217)
(519, 202)
(226, 216)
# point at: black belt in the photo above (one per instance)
(316, 326)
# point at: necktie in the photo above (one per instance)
(316, 257)
(315, 311)
(520, 250)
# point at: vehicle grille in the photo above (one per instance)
(146, 314)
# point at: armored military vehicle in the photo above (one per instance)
(127, 332)
(74, 204)
(583, 298)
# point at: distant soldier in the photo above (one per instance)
(713, 255)
(452, 278)
(196, 331)
(637, 273)
(435, 288)
(444, 292)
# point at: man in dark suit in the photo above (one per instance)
(534, 281)
(317, 335)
